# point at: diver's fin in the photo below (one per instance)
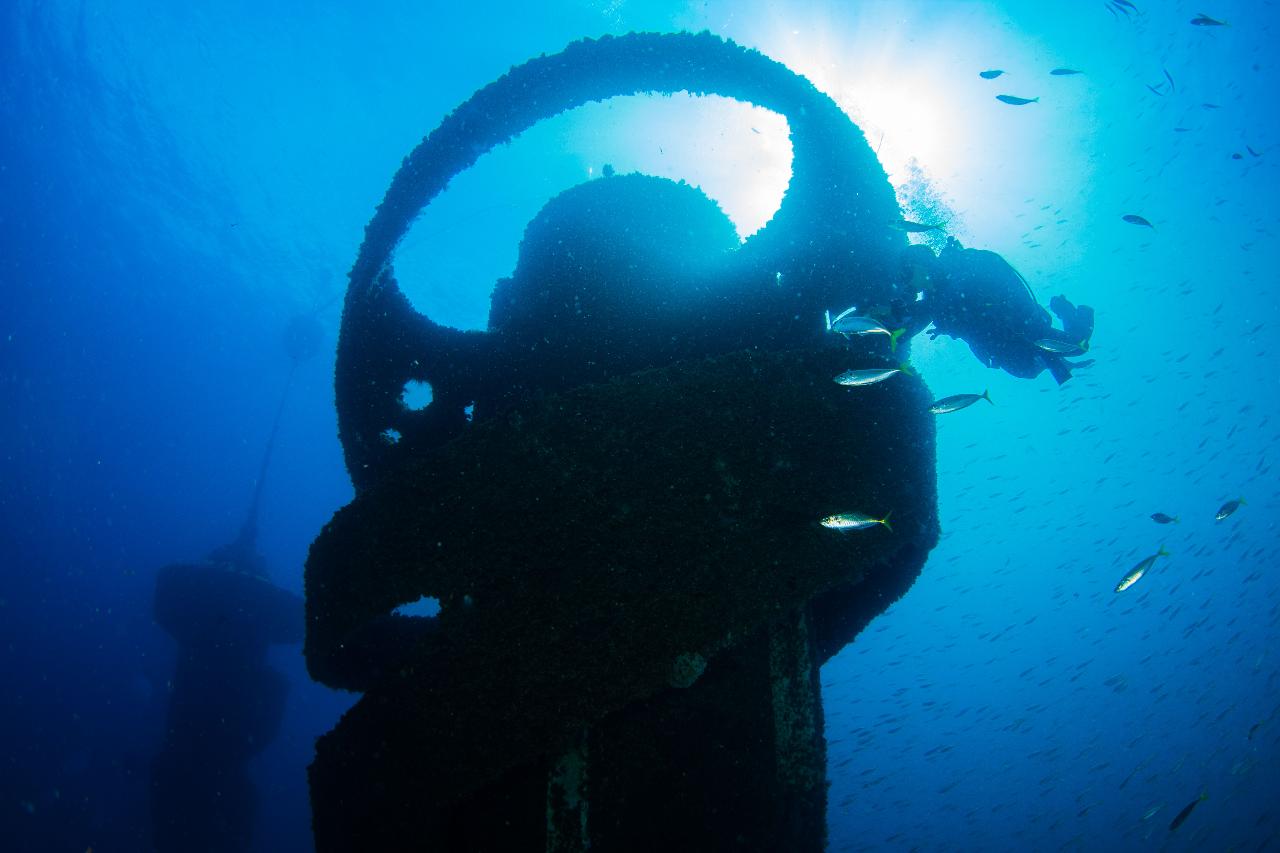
(1060, 369)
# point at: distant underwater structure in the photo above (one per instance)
(614, 495)
(226, 701)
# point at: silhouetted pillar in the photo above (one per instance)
(627, 655)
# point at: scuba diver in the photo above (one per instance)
(226, 702)
(974, 295)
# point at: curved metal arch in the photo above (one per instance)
(839, 199)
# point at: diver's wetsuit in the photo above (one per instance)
(975, 296)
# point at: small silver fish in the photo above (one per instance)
(1139, 570)
(1225, 511)
(869, 376)
(956, 402)
(854, 521)
(1187, 810)
(1064, 72)
(1016, 101)
(847, 324)
(990, 74)
(1062, 347)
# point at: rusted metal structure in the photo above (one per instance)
(614, 495)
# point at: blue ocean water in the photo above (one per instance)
(178, 184)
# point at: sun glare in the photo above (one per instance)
(908, 97)
(903, 99)
(910, 80)
(736, 153)
(902, 122)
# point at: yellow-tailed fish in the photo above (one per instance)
(848, 324)
(854, 521)
(1227, 509)
(1057, 347)
(1186, 811)
(956, 402)
(871, 375)
(1136, 573)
